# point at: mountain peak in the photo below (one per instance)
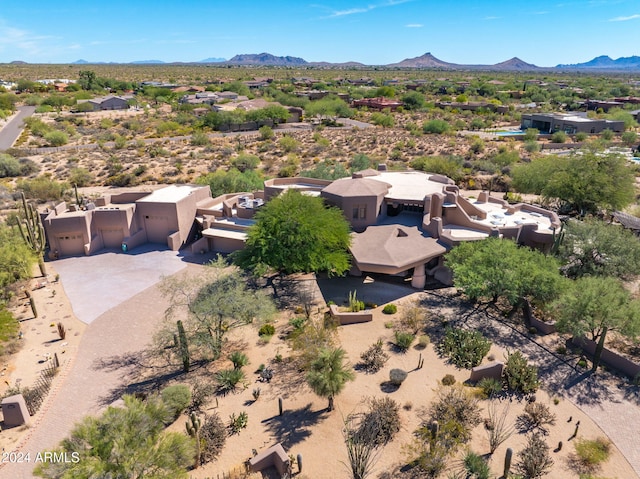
(265, 59)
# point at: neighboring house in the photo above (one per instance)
(570, 123)
(207, 97)
(403, 222)
(110, 102)
(473, 106)
(379, 103)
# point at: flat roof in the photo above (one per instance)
(170, 194)
(408, 185)
(463, 233)
(224, 233)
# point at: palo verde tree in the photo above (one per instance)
(127, 441)
(297, 233)
(494, 269)
(594, 306)
(584, 182)
(214, 303)
(328, 374)
(593, 247)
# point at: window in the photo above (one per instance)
(359, 212)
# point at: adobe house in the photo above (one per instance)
(125, 220)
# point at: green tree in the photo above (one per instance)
(594, 248)
(413, 100)
(495, 268)
(16, 258)
(231, 181)
(215, 304)
(584, 182)
(124, 442)
(329, 106)
(87, 79)
(381, 119)
(594, 306)
(329, 374)
(297, 233)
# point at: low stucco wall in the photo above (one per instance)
(274, 456)
(491, 370)
(610, 358)
(350, 318)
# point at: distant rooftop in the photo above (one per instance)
(409, 185)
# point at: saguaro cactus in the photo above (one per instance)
(507, 462)
(193, 429)
(32, 231)
(183, 347)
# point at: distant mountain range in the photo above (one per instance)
(426, 61)
(605, 62)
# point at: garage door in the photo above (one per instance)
(157, 228)
(112, 238)
(71, 245)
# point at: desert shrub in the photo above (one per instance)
(213, 435)
(413, 319)
(458, 408)
(317, 335)
(451, 166)
(239, 359)
(239, 422)
(176, 398)
(629, 138)
(9, 166)
(80, 177)
(200, 138)
(397, 376)
(266, 132)
(519, 376)
(56, 138)
(536, 416)
(381, 422)
(381, 119)
(390, 309)
(607, 134)
(464, 348)
(404, 340)
(531, 134)
(490, 386)
(531, 147)
(374, 358)
(267, 329)
(228, 380)
(436, 126)
(288, 144)
(590, 453)
(559, 137)
(581, 136)
(245, 161)
(121, 180)
(534, 460)
(43, 188)
(423, 341)
(475, 466)
(448, 380)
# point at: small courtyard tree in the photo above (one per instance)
(297, 233)
(328, 374)
(214, 304)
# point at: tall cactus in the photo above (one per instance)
(193, 429)
(32, 231)
(507, 462)
(183, 347)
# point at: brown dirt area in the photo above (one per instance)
(305, 427)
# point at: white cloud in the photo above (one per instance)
(12, 38)
(625, 19)
(414, 25)
(368, 8)
(492, 18)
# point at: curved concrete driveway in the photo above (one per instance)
(11, 131)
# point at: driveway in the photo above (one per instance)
(95, 284)
(11, 131)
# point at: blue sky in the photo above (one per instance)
(368, 31)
